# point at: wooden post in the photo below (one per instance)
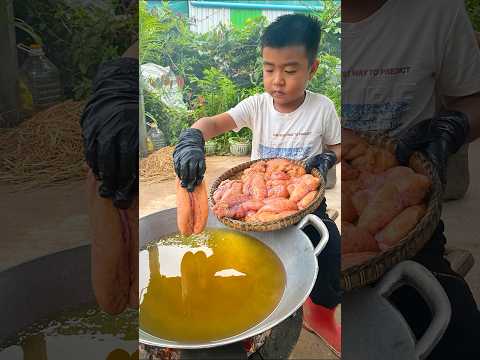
(142, 127)
(8, 68)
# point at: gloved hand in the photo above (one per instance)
(437, 138)
(110, 130)
(189, 158)
(323, 162)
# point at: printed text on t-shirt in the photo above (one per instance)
(375, 72)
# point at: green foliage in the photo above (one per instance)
(327, 79)
(218, 93)
(77, 38)
(223, 141)
(166, 40)
(239, 140)
(473, 9)
(170, 120)
(236, 51)
(330, 19)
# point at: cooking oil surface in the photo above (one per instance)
(84, 332)
(207, 287)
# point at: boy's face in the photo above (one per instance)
(286, 73)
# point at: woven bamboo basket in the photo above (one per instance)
(360, 275)
(236, 172)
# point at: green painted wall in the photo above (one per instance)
(239, 16)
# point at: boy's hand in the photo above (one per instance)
(110, 130)
(437, 138)
(189, 158)
(323, 162)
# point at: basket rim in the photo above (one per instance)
(273, 224)
(359, 275)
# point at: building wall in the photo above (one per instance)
(205, 19)
(271, 15)
(239, 16)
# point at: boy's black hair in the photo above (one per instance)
(291, 30)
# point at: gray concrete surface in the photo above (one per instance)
(41, 221)
(462, 220)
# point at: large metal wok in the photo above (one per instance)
(46, 286)
(291, 245)
(42, 287)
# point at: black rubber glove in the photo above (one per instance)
(189, 158)
(437, 138)
(323, 162)
(110, 130)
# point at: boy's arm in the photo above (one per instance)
(215, 125)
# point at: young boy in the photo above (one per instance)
(291, 122)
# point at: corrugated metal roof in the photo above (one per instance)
(177, 6)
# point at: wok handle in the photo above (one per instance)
(318, 224)
(413, 274)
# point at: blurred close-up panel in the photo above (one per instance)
(410, 175)
(55, 57)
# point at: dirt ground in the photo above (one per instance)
(39, 222)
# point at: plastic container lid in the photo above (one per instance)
(36, 49)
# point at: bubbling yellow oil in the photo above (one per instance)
(207, 287)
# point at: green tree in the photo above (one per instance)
(473, 9)
(78, 38)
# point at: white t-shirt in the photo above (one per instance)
(398, 62)
(296, 135)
